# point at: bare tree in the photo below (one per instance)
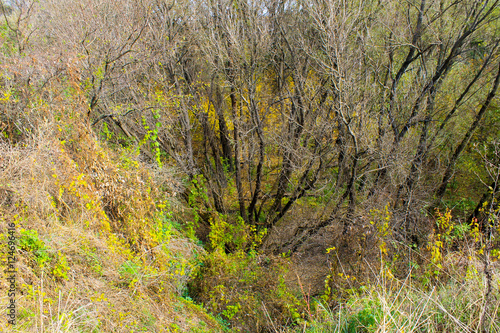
(278, 100)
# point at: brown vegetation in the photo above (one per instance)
(322, 151)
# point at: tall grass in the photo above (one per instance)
(451, 304)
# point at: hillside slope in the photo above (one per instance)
(96, 249)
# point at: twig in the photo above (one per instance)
(269, 317)
(112, 115)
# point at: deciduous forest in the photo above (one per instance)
(251, 166)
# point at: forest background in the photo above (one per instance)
(252, 165)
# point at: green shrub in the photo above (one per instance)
(31, 242)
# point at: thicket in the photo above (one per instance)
(287, 165)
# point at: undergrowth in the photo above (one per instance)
(97, 248)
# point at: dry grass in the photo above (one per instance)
(95, 215)
(453, 302)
